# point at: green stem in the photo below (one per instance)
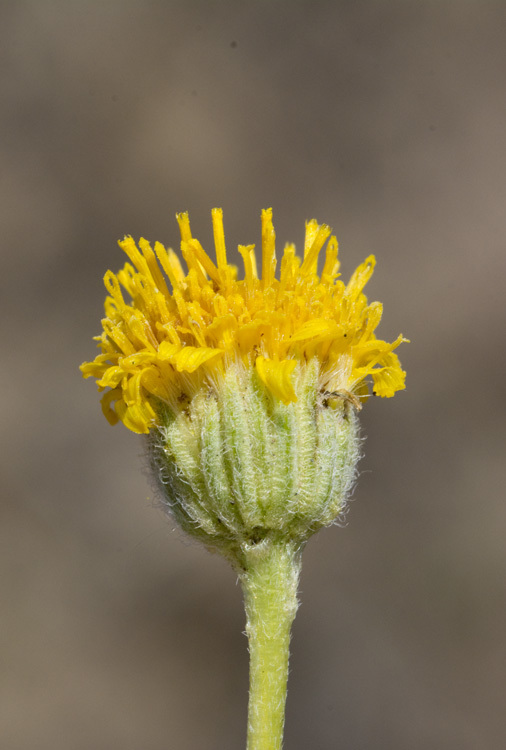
(270, 595)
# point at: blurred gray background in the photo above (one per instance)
(386, 120)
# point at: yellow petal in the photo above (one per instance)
(311, 253)
(153, 266)
(127, 244)
(250, 264)
(374, 313)
(170, 264)
(277, 376)
(193, 251)
(112, 285)
(332, 264)
(248, 335)
(315, 328)
(390, 378)
(107, 399)
(192, 357)
(167, 350)
(112, 377)
(360, 278)
(268, 248)
(184, 226)
(134, 361)
(138, 418)
(219, 237)
(153, 382)
(93, 369)
(132, 392)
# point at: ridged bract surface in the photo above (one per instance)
(238, 466)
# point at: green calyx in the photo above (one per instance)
(238, 468)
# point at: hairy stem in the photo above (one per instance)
(270, 595)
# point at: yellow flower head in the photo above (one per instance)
(170, 339)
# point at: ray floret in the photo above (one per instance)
(168, 332)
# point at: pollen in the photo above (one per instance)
(169, 332)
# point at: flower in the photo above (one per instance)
(249, 390)
(166, 342)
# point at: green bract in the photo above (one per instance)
(237, 467)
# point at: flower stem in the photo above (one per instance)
(270, 596)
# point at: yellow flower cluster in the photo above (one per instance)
(165, 343)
